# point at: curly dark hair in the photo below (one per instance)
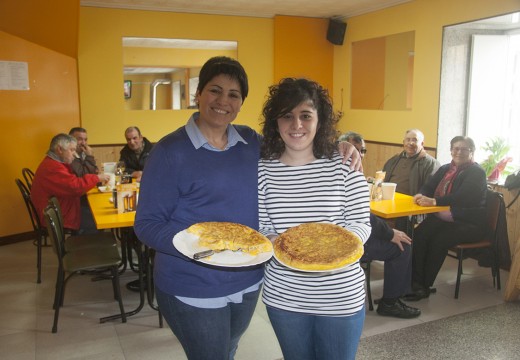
(285, 96)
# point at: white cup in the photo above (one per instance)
(109, 167)
(370, 189)
(388, 190)
(112, 181)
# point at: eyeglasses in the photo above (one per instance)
(461, 149)
(363, 151)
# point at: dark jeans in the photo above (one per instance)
(398, 265)
(88, 224)
(208, 334)
(432, 239)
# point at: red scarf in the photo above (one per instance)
(446, 183)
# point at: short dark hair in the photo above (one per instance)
(466, 139)
(288, 94)
(77, 129)
(128, 129)
(351, 135)
(219, 65)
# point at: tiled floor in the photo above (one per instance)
(26, 313)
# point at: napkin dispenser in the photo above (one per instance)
(127, 197)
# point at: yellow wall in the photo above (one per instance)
(50, 23)
(426, 18)
(301, 49)
(30, 118)
(101, 62)
(368, 80)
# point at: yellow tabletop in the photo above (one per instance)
(402, 205)
(105, 214)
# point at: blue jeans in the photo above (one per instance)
(311, 337)
(208, 334)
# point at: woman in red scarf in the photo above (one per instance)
(461, 185)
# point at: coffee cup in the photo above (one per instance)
(388, 190)
(112, 180)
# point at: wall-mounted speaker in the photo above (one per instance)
(336, 32)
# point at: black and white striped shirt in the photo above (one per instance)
(322, 191)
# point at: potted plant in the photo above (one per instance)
(497, 161)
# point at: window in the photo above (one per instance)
(480, 85)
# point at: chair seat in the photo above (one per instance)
(91, 258)
(87, 241)
(476, 245)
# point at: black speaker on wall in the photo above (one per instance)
(336, 32)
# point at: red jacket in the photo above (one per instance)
(55, 178)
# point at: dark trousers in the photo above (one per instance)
(88, 224)
(398, 265)
(432, 239)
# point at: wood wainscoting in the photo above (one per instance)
(106, 153)
(378, 153)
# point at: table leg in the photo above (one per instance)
(129, 244)
(144, 268)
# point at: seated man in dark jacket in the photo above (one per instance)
(135, 152)
(393, 247)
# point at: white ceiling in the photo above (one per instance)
(338, 9)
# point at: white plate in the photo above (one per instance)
(104, 189)
(310, 271)
(187, 244)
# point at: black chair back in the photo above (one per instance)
(39, 230)
(28, 176)
(55, 232)
(35, 219)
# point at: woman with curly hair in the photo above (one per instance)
(315, 315)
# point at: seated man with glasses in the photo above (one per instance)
(393, 247)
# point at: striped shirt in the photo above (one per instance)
(322, 191)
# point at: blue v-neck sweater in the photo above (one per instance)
(182, 185)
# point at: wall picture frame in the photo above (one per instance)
(127, 86)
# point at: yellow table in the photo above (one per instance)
(105, 214)
(402, 205)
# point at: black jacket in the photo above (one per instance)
(467, 199)
(132, 161)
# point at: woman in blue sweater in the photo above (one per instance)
(204, 171)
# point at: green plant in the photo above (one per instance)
(498, 148)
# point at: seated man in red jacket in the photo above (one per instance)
(54, 176)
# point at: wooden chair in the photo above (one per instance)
(28, 176)
(365, 265)
(39, 230)
(78, 261)
(494, 202)
(75, 242)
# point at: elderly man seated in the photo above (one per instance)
(54, 176)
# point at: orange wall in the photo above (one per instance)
(50, 23)
(301, 49)
(30, 118)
